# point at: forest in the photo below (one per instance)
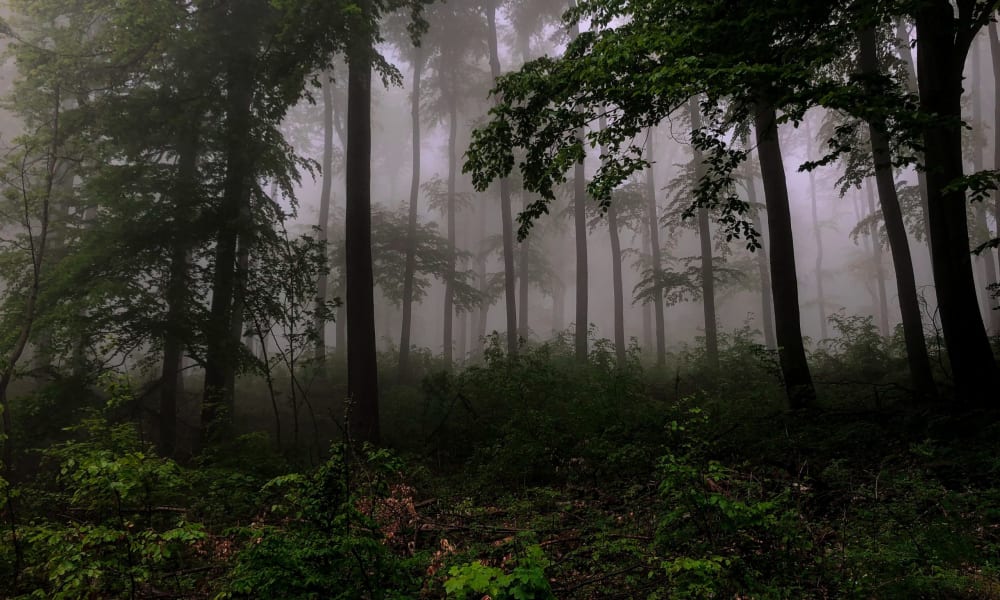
(499, 299)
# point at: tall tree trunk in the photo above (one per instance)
(362, 360)
(506, 211)
(995, 56)
(791, 351)
(616, 277)
(763, 266)
(818, 234)
(918, 360)
(580, 231)
(449, 283)
(707, 268)
(411, 225)
(653, 224)
(905, 53)
(981, 232)
(647, 310)
(940, 63)
(221, 353)
(524, 282)
(176, 292)
(323, 282)
(883, 300)
(484, 308)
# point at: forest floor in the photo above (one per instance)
(531, 479)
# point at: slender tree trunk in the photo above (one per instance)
(524, 281)
(616, 277)
(484, 308)
(449, 283)
(653, 223)
(981, 232)
(940, 63)
(883, 301)
(38, 247)
(221, 353)
(818, 234)
(707, 268)
(995, 56)
(903, 47)
(362, 365)
(411, 226)
(176, 293)
(323, 282)
(791, 351)
(763, 266)
(919, 362)
(647, 310)
(506, 211)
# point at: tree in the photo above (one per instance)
(943, 41)
(417, 60)
(362, 360)
(506, 211)
(653, 224)
(705, 238)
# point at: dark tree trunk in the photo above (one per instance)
(647, 309)
(362, 365)
(221, 353)
(524, 282)
(323, 282)
(616, 277)
(582, 284)
(484, 308)
(791, 351)
(919, 362)
(883, 300)
(653, 223)
(411, 225)
(763, 267)
(176, 292)
(707, 268)
(995, 56)
(940, 62)
(449, 283)
(506, 211)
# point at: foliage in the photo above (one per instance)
(322, 535)
(525, 581)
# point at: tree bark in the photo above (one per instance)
(995, 59)
(883, 300)
(791, 351)
(506, 211)
(941, 60)
(176, 292)
(903, 47)
(524, 282)
(362, 365)
(763, 268)
(918, 360)
(707, 268)
(653, 224)
(221, 353)
(818, 234)
(616, 277)
(449, 283)
(323, 282)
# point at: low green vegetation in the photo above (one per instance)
(527, 478)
